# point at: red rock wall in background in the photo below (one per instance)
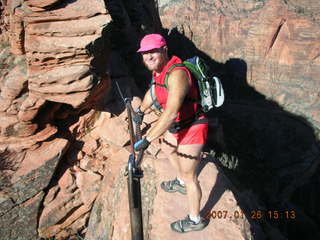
(60, 125)
(51, 87)
(50, 61)
(278, 40)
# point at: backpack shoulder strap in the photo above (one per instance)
(153, 96)
(168, 73)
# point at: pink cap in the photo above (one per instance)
(151, 41)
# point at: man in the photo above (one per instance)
(177, 95)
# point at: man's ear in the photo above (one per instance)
(165, 48)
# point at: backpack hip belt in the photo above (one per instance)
(177, 126)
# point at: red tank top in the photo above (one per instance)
(188, 108)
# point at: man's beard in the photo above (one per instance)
(156, 68)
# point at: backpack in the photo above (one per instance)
(210, 88)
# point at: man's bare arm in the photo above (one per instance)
(178, 87)
(146, 102)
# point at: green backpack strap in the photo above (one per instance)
(168, 72)
(153, 96)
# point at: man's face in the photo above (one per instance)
(155, 59)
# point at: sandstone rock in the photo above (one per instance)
(103, 116)
(74, 10)
(15, 81)
(61, 72)
(90, 145)
(49, 79)
(4, 103)
(310, 10)
(271, 36)
(15, 105)
(56, 210)
(67, 182)
(94, 164)
(17, 32)
(58, 44)
(99, 94)
(216, 197)
(66, 211)
(42, 4)
(80, 155)
(72, 228)
(30, 108)
(121, 222)
(51, 194)
(24, 218)
(85, 27)
(62, 80)
(36, 169)
(74, 99)
(85, 163)
(7, 123)
(6, 203)
(89, 186)
(19, 144)
(121, 228)
(24, 129)
(159, 209)
(106, 150)
(85, 124)
(115, 130)
(62, 48)
(9, 164)
(72, 156)
(150, 118)
(102, 214)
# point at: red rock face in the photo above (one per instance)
(55, 143)
(47, 75)
(278, 40)
(56, 50)
(56, 65)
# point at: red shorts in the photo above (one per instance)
(196, 134)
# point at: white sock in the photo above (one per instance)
(180, 181)
(194, 219)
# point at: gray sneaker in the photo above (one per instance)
(173, 186)
(187, 225)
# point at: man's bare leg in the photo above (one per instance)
(170, 147)
(189, 159)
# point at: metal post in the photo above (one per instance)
(134, 193)
(134, 175)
